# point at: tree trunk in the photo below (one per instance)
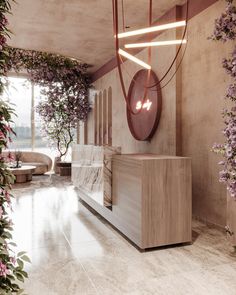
(55, 167)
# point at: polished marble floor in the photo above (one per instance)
(75, 252)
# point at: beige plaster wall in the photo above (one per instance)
(191, 117)
(164, 140)
(204, 83)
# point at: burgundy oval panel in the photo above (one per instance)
(144, 124)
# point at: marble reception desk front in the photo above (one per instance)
(91, 171)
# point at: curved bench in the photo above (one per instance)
(42, 162)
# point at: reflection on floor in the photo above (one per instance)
(74, 251)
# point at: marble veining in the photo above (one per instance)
(76, 252)
(91, 171)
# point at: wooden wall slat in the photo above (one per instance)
(100, 119)
(109, 107)
(95, 110)
(86, 132)
(105, 119)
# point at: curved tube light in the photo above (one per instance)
(158, 43)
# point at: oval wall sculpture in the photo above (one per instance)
(144, 123)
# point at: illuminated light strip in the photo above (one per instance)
(152, 29)
(135, 59)
(158, 43)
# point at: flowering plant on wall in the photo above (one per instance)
(225, 25)
(225, 30)
(64, 83)
(11, 265)
(5, 8)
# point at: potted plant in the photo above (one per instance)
(18, 155)
(59, 121)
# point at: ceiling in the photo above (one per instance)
(77, 28)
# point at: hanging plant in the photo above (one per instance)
(225, 30)
(64, 83)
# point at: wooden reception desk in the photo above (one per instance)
(151, 199)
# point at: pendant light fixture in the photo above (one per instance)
(121, 53)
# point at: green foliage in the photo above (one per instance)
(64, 83)
(5, 8)
(11, 268)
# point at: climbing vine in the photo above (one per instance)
(64, 83)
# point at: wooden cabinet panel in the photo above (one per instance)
(166, 202)
(126, 197)
(158, 191)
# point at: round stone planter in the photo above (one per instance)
(64, 168)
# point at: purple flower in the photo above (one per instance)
(13, 260)
(225, 25)
(3, 270)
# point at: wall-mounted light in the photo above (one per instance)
(158, 43)
(152, 29)
(134, 59)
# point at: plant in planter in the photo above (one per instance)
(18, 155)
(225, 30)
(59, 120)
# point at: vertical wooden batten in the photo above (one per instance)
(32, 118)
(95, 113)
(86, 132)
(104, 113)
(109, 109)
(100, 119)
(78, 132)
(178, 81)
